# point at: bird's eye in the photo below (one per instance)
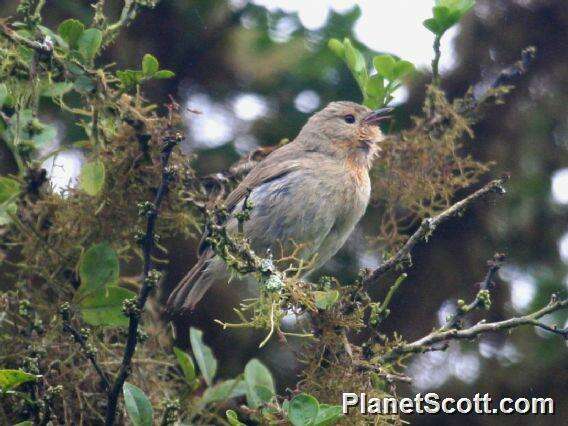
(349, 119)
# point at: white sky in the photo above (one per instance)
(559, 186)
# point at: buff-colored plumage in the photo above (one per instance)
(310, 192)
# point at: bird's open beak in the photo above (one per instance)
(378, 115)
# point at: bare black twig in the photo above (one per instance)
(81, 339)
(428, 226)
(149, 279)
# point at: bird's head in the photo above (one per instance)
(345, 130)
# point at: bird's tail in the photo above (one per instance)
(190, 289)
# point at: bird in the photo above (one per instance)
(309, 193)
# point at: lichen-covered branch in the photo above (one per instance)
(127, 15)
(426, 343)
(429, 225)
(482, 299)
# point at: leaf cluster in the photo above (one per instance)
(377, 85)
(446, 14)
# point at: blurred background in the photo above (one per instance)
(257, 70)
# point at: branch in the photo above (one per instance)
(81, 339)
(429, 225)
(436, 60)
(516, 70)
(44, 48)
(442, 336)
(383, 311)
(505, 79)
(149, 279)
(129, 11)
(482, 297)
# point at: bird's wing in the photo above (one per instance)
(276, 165)
(191, 289)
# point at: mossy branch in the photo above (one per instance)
(149, 279)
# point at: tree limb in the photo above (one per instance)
(429, 225)
(482, 297)
(442, 336)
(134, 310)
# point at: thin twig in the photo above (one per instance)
(85, 347)
(428, 226)
(516, 70)
(481, 297)
(436, 60)
(129, 11)
(506, 78)
(383, 311)
(169, 142)
(438, 336)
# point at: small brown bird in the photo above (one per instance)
(309, 193)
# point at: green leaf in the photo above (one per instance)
(203, 355)
(6, 211)
(403, 68)
(446, 14)
(25, 423)
(462, 6)
(54, 90)
(186, 364)
(9, 189)
(303, 410)
(54, 36)
(356, 63)
(28, 128)
(70, 31)
(260, 384)
(104, 306)
(233, 419)
(223, 391)
(375, 86)
(372, 102)
(336, 47)
(354, 58)
(129, 78)
(327, 415)
(163, 74)
(138, 406)
(445, 17)
(326, 299)
(98, 268)
(47, 134)
(10, 379)
(385, 64)
(83, 84)
(92, 177)
(150, 65)
(3, 93)
(433, 25)
(89, 43)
